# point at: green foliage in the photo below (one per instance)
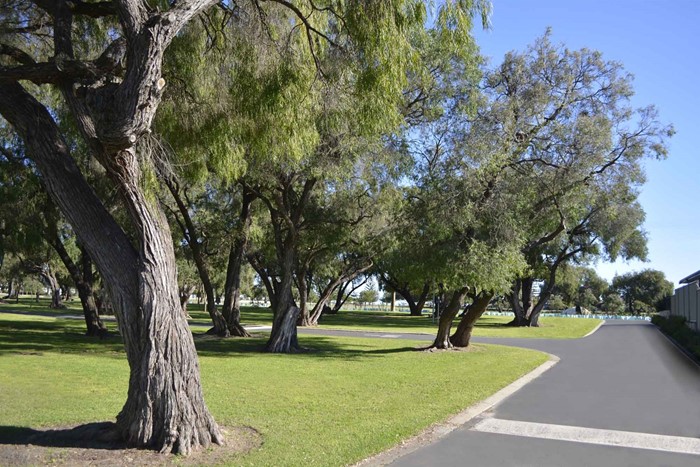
(643, 291)
(556, 302)
(368, 296)
(580, 285)
(613, 303)
(676, 328)
(558, 124)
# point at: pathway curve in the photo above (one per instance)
(624, 396)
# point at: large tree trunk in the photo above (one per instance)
(164, 409)
(534, 318)
(10, 288)
(232, 289)
(463, 334)
(283, 336)
(442, 339)
(526, 294)
(67, 297)
(95, 326)
(520, 318)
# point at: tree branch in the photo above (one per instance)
(62, 70)
(17, 54)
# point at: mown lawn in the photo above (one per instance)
(487, 326)
(341, 401)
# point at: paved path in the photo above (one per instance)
(625, 385)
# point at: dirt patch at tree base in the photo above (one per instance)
(469, 348)
(77, 446)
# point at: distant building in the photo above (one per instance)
(694, 277)
(686, 301)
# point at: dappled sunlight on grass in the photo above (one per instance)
(339, 401)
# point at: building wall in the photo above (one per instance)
(686, 302)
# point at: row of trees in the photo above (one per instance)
(317, 142)
(644, 291)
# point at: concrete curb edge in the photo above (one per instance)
(438, 430)
(595, 329)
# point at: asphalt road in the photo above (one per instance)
(626, 385)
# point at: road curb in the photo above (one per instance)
(595, 329)
(438, 430)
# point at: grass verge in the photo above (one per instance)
(340, 402)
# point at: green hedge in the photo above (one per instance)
(675, 327)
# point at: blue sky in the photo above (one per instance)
(658, 41)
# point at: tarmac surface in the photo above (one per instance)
(623, 396)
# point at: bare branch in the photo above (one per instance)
(62, 70)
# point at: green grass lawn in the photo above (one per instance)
(342, 401)
(487, 326)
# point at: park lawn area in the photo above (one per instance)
(343, 400)
(486, 326)
(28, 304)
(380, 321)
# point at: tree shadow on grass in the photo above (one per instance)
(99, 435)
(313, 347)
(352, 318)
(53, 336)
(99, 444)
(35, 337)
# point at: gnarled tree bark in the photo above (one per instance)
(442, 339)
(463, 333)
(165, 408)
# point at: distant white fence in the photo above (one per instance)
(686, 302)
(564, 315)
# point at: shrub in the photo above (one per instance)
(675, 327)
